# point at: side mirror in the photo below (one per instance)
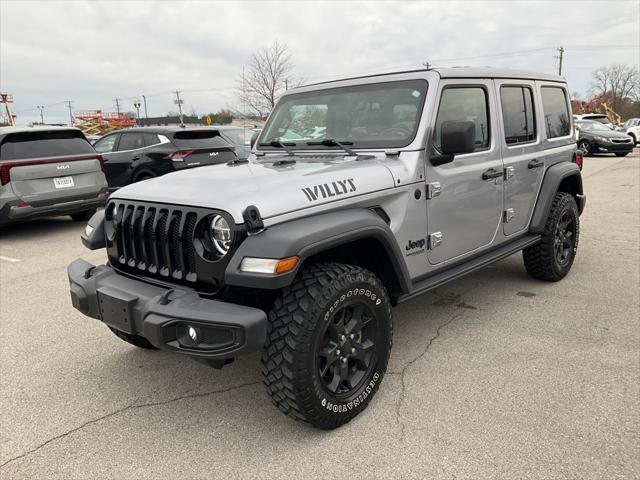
(456, 137)
(254, 138)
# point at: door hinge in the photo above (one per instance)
(434, 240)
(508, 215)
(433, 190)
(509, 172)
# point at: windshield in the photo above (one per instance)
(593, 126)
(378, 115)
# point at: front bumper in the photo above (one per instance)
(602, 147)
(162, 315)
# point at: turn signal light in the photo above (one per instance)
(273, 266)
(579, 159)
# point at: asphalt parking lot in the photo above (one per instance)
(492, 376)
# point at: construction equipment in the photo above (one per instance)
(598, 104)
(6, 99)
(95, 122)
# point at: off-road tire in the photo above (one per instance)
(83, 216)
(540, 259)
(622, 154)
(136, 340)
(297, 321)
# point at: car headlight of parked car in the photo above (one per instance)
(220, 234)
(600, 139)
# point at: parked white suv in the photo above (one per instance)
(632, 128)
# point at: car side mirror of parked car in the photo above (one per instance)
(254, 137)
(456, 137)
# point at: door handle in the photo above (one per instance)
(491, 173)
(533, 164)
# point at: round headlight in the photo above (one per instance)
(220, 234)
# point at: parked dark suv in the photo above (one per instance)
(141, 153)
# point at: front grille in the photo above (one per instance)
(159, 242)
(621, 140)
(154, 239)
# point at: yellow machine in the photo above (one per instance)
(6, 99)
(95, 122)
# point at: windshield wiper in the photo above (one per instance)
(330, 142)
(279, 144)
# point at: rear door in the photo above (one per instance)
(465, 215)
(522, 151)
(201, 147)
(55, 166)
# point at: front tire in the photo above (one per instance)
(552, 258)
(328, 344)
(585, 147)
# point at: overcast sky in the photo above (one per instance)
(94, 52)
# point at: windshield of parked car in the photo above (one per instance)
(376, 115)
(593, 126)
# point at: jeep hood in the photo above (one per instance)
(274, 189)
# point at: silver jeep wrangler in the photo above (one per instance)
(358, 195)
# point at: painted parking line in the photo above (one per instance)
(9, 259)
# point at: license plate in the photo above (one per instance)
(115, 309)
(63, 182)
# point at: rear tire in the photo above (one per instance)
(622, 154)
(143, 175)
(552, 258)
(136, 340)
(83, 216)
(328, 344)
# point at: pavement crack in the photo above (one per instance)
(403, 372)
(125, 409)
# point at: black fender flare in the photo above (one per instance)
(553, 178)
(307, 236)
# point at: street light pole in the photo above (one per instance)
(144, 100)
(41, 108)
(136, 104)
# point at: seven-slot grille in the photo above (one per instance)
(154, 239)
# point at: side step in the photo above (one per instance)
(451, 273)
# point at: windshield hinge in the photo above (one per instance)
(253, 219)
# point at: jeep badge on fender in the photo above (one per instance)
(301, 251)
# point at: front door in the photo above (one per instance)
(522, 152)
(465, 216)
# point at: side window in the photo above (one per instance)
(517, 114)
(556, 112)
(130, 141)
(464, 103)
(150, 139)
(105, 145)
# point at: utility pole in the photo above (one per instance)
(144, 100)
(117, 100)
(561, 52)
(70, 112)
(41, 108)
(178, 101)
(286, 84)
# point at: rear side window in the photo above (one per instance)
(131, 141)
(199, 139)
(464, 103)
(517, 113)
(39, 144)
(150, 139)
(105, 145)
(556, 112)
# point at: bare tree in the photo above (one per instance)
(265, 79)
(618, 83)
